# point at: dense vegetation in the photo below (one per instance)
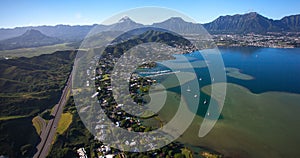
(18, 138)
(74, 137)
(252, 23)
(28, 86)
(31, 85)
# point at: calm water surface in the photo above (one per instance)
(264, 123)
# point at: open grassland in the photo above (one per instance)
(3, 118)
(38, 124)
(35, 51)
(64, 122)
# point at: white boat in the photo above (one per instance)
(200, 79)
(188, 89)
(205, 101)
(195, 95)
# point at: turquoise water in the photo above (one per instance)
(264, 123)
(272, 69)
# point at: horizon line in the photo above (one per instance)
(91, 24)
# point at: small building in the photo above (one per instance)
(82, 153)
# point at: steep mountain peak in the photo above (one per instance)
(250, 15)
(175, 20)
(253, 14)
(31, 38)
(178, 25)
(34, 35)
(292, 22)
(251, 22)
(33, 32)
(124, 24)
(125, 19)
(241, 23)
(291, 16)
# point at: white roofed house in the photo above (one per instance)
(82, 153)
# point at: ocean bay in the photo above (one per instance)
(259, 118)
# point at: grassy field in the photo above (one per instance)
(72, 130)
(4, 118)
(36, 51)
(64, 122)
(38, 124)
(24, 95)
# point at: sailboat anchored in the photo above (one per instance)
(188, 89)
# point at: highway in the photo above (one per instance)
(47, 135)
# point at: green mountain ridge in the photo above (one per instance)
(27, 84)
(253, 23)
(234, 24)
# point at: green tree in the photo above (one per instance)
(179, 155)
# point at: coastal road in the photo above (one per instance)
(47, 135)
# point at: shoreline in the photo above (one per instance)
(250, 46)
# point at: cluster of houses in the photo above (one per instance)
(118, 117)
(257, 40)
(112, 109)
(104, 150)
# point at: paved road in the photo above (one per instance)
(47, 135)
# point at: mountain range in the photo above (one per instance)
(253, 23)
(230, 24)
(31, 38)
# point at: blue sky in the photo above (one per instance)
(14, 13)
